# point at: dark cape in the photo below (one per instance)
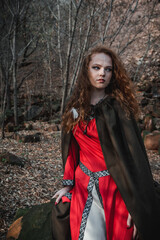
(128, 164)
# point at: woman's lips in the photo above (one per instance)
(101, 80)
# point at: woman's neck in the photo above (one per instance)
(97, 95)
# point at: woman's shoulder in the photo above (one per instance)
(114, 104)
(111, 101)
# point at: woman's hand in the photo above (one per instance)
(61, 193)
(130, 224)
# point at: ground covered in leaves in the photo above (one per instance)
(41, 175)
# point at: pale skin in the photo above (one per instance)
(100, 74)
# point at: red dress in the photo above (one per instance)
(89, 177)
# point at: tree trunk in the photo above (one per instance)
(4, 112)
(8, 100)
(14, 75)
(70, 44)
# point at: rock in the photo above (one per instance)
(141, 127)
(12, 159)
(56, 120)
(10, 127)
(157, 123)
(28, 126)
(156, 113)
(152, 141)
(52, 128)
(33, 112)
(34, 224)
(149, 123)
(141, 116)
(148, 95)
(148, 88)
(156, 91)
(144, 102)
(27, 138)
(56, 106)
(156, 95)
(148, 109)
(59, 127)
(144, 133)
(144, 87)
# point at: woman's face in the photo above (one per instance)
(100, 70)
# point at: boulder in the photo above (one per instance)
(32, 224)
(56, 120)
(10, 127)
(144, 133)
(156, 113)
(149, 123)
(28, 126)
(148, 109)
(157, 123)
(144, 102)
(147, 88)
(12, 159)
(52, 128)
(148, 95)
(56, 105)
(27, 138)
(33, 112)
(152, 141)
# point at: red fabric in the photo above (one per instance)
(92, 157)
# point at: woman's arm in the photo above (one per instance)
(71, 163)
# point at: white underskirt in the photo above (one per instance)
(96, 226)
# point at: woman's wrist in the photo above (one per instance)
(68, 188)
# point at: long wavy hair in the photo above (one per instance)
(120, 87)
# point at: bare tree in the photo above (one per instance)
(67, 29)
(14, 53)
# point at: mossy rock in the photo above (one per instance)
(7, 157)
(21, 212)
(145, 133)
(32, 223)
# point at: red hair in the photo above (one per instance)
(119, 87)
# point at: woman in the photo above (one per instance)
(107, 178)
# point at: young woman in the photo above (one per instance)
(107, 178)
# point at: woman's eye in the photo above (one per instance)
(96, 67)
(108, 69)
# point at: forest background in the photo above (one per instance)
(42, 44)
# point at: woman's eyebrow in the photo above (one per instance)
(101, 65)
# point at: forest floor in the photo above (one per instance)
(41, 175)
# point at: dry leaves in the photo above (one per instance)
(37, 181)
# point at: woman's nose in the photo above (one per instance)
(102, 72)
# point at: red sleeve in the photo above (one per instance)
(71, 163)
